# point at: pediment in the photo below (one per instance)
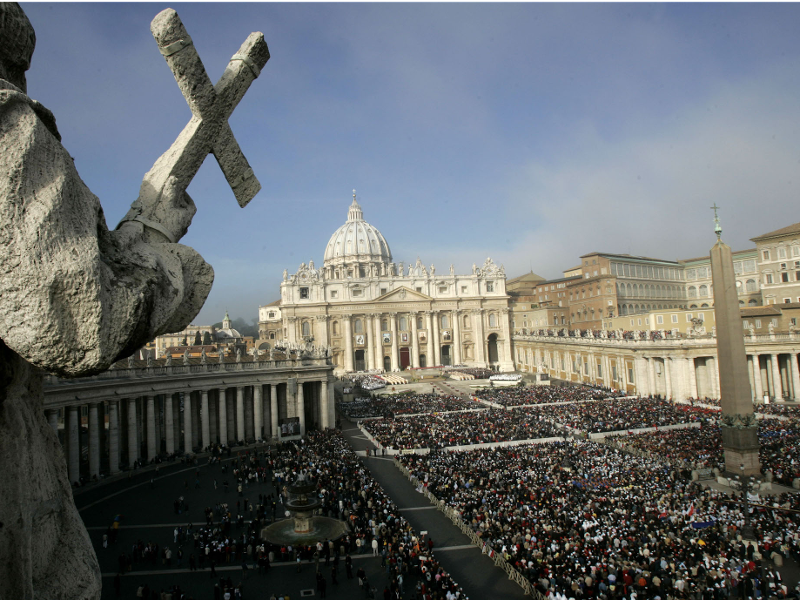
(403, 294)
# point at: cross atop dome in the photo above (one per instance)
(355, 213)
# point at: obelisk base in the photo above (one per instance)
(741, 448)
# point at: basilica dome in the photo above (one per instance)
(357, 241)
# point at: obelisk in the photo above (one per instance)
(739, 427)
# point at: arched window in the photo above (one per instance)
(306, 328)
(444, 321)
(335, 327)
(359, 326)
(466, 321)
(692, 292)
(419, 322)
(703, 290)
(384, 325)
(403, 324)
(750, 285)
(752, 302)
(492, 320)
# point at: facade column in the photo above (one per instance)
(652, 371)
(348, 343)
(369, 329)
(456, 338)
(715, 377)
(52, 419)
(169, 424)
(273, 409)
(692, 377)
(73, 447)
(240, 433)
(480, 356)
(258, 412)
(795, 377)
(94, 442)
(623, 375)
(324, 404)
(222, 421)
(776, 377)
(151, 427)
(393, 326)
(113, 436)
(414, 340)
(430, 359)
(133, 434)
(509, 360)
(376, 330)
(291, 328)
(301, 408)
(437, 341)
(668, 377)
(321, 332)
(205, 421)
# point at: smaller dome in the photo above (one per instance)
(357, 240)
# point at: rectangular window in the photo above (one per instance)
(746, 324)
(419, 289)
(630, 375)
(787, 300)
(660, 319)
(785, 277)
(303, 293)
(334, 294)
(758, 323)
(463, 289)
(383, 291)
(769, 277)
(442, 289)
(793, 321)
(489, 286)
(638, 321)
(765, 254)
(358, 293)
(774, 322)
(674, 318)
(689, 317)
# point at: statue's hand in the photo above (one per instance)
(162, 216)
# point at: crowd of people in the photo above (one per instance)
(405, 404)
(582, 520)
(542, 394)
(460, 429)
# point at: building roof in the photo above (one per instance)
(760, 311)
(708, 257)
(789, 230)
(630, 257)
(358, 240)
(526, 277)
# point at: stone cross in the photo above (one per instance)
(211, 105)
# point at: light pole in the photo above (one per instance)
(748, 532)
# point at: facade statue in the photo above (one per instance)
(286, 274)
(203, 356)
(452, 270)
(149, 359)
(238, 354)
(186, 357)
(168, 359)
(433, 270)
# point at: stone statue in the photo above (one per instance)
(203, 356)
(186, 357)
(286, 275)
(410, 270)
(255, 355)
(770, 328)
(433, 270)
(452, 270)
(220, 354)
(75, 296)
(310, 265)
(168, 359)
(474, 269)
(238, 354)
(149, 360)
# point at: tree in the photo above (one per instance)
(197, 339)
(206, 338)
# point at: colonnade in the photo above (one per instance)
(108, 435)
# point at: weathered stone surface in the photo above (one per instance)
(74, 298)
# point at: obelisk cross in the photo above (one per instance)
(717, 226)
(211, 106)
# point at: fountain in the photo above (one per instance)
(303, 527)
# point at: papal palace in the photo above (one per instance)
(636, 324)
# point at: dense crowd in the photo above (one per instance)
(404, 404)
(460, 429)
(621, 414)
(582, 520)
(542, 394)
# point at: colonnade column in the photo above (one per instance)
(301, 408)
(133, 434)
(776, 377)
(273, 409)
(692, 378)
(456, 338)
(73, 448)
(795, 377)
(324, 404)
(258, 412)
(393, 325)
(52, 419)
(94, 442)
(759, 387)
(169, 424)
(222, 422)
(113, 436)
(151, 427)
(715, 377)
(205, 419)
(240, 434)
(414, 340)
(188, 442)
(348, 344)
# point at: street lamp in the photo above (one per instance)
(748, 532)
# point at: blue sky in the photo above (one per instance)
(531, 133)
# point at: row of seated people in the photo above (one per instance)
(582, 520)
(405, 404)
(543, 394)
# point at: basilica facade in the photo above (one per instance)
(377, 314)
